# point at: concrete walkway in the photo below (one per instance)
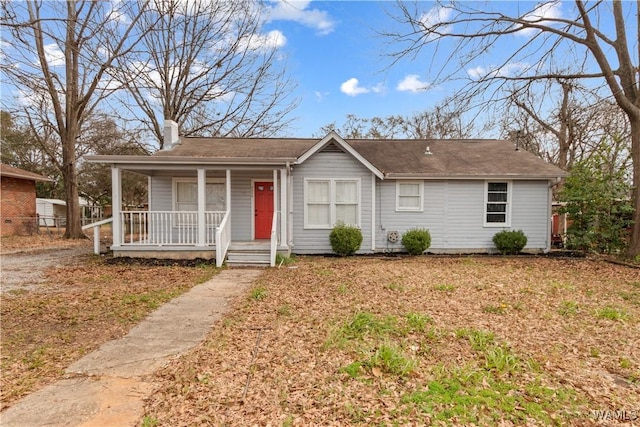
(108, 386)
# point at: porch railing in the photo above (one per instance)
(179, 228)
(274, 239)
(223, 239)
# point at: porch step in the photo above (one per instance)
(248, 258)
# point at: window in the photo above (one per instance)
(497, 204)
(185, 196)
(328, 201)
(409, 196)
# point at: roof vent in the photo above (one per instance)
(427, 151)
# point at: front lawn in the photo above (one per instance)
(414, 341)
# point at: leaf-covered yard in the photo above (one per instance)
(414, 341)
(76, 308)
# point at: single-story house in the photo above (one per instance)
(18, 204)
(245, 198)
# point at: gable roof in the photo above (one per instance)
(386, 158)
(335, 139)
(11, 172)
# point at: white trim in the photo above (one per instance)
(116, 205)
(373, 212)
(283, 206)
(202, 206)
(253, 202)
(345, 146)
(507, 222)
(332, 202)
(420, 194)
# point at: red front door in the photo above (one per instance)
(263, 209)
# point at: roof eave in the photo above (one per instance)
(189, 161)
(392, 175)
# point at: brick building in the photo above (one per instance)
(18, 199)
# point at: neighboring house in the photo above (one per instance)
(53, 212)
(222, 196)
(18, 212)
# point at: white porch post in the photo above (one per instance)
(202, 206)
(275, 192)
(228, 185)
(283, 206)
(116, 205)
(373, 212)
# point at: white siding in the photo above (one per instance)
(454, 215)
(335, 166)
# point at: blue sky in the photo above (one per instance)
(336, 58)
(334, 54)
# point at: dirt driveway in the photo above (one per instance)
(24, 270)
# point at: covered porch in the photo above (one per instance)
(205, 211)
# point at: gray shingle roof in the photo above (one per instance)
(394, 158)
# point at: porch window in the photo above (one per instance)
(186, 196)
(497, 199)
(328, 201)
(409, 196)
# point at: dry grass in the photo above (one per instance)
(76, 309)
(415, 341)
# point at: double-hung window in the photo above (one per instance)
(185, 198)
(329, 201)
(409, 196)
(497, 199)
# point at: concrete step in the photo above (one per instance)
(248, 258)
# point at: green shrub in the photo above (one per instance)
(510, 242)
(416, 240)
(345, 239)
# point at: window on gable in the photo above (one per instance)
(497, 204)
(328, 201)
(409, 196)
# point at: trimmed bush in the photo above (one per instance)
(416, 240)
(510, 242)
(345, 239)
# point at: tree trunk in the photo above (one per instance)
(634, 241)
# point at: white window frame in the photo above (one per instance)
(507, 213)
(420, 196)
(332, 202)
(195, 181)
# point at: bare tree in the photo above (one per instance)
(564, 122)
(57, 56)
(444, 121)
(206, 65)
(590, 43)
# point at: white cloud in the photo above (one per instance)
(53, 55)
(436, 18)
(506, 70)
(542, 12)
(297, 11)
(272, 40)
(320, 96)
(352, 88)
(412, 83)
